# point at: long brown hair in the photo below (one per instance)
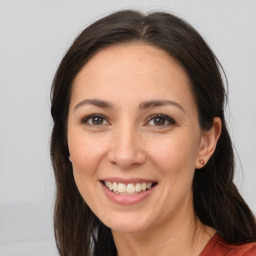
(217, 202)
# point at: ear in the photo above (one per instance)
(208, 143)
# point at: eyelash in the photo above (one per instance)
(87, 118)
(170, 120)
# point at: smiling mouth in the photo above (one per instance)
(129, 189)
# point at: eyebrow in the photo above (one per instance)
(144, 105)
(95, 102)
(159, 103)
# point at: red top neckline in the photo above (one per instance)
(219, 247)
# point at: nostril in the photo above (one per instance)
(127, 159)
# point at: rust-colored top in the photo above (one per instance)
(218, 247)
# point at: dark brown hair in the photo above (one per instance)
(217, 202)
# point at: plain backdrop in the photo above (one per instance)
(34, 36)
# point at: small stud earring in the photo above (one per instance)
(202, 161)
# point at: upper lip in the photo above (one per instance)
(128, 181)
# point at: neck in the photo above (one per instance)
(184, 235)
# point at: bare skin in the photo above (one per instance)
(188, 239)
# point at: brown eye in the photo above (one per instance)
(95, 119)
(159, 121)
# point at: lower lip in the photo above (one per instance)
(127, 200)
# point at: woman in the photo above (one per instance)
(142, 157)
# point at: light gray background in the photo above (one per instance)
(33, 38)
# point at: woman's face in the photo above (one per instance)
(134, 137)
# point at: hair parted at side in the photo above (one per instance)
(217, 201)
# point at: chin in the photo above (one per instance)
(127, 224)
(126, 228)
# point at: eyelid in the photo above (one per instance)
(166, 117)
(87, 117)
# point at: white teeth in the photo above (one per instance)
(138, 187)
(149, 185)
(143, 186)
(121, 188)
(109, 185)
(129, 189)
(115, 187)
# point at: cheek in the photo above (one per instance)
(174, 153)
(86, 152)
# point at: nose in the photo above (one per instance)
(127, 148)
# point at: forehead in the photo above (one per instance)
(138, 58)
(132, 70)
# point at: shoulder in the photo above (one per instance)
(218, 247)
(248, 249)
